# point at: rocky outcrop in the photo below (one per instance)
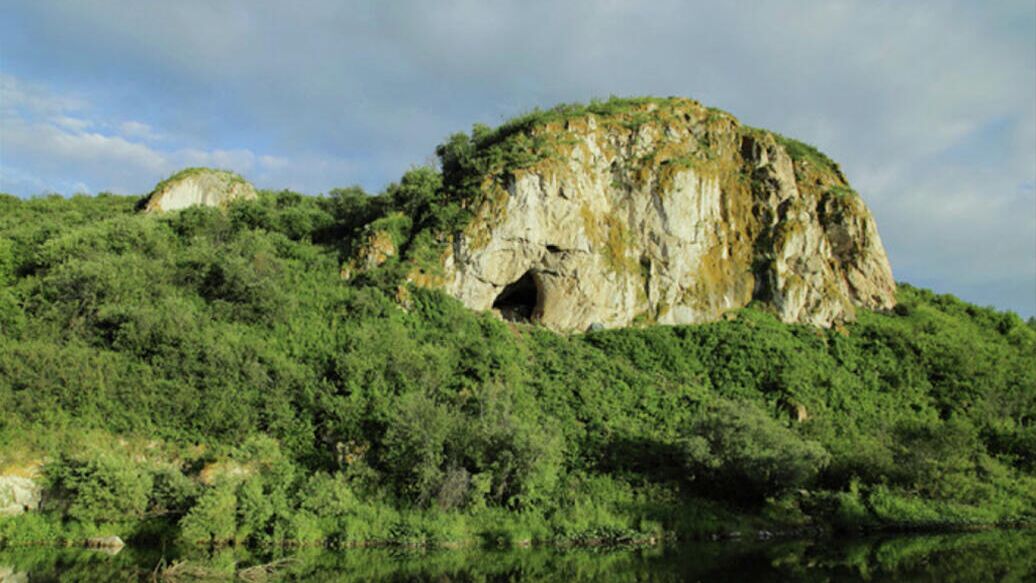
(376, 244)
(198, 187)
(224, 470)
(665, 212)
(18, 494)
(10, 575)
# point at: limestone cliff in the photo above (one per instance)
(655, 211)
(198, 187)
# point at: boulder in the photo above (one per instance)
(18, 494)
(10, 575)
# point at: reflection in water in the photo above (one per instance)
(988, 556)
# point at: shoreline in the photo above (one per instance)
(653, 541)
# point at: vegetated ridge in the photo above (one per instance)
(208, 376)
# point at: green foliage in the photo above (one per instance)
(250, 500)
(101, 488)
(351, 209)
(397, 225)
(213, 519)
(737, 448)
(416, 194)
(172, 493)
(414, 444)
(7, 261)
(803, 152)
(230, 337)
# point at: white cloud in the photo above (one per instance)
(34, 98)
(44, 149)
(72, 123)
(139, 130)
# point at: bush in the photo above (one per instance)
(101, 488)
(31, 528)
(214, 518)
(172, 493)
(414, 447)
(739, 450)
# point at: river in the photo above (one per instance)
(994, 556)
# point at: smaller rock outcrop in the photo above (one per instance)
(18, 494)
(198, 187)
(9, 575)
(224, 470)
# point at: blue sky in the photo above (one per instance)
(930, 107)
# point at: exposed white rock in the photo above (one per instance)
(9, 575)
(670, 223)
(198, 187)
(18, 494)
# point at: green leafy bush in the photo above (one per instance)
(740, 450)
(414, 446)
(213, 519)
(101, 487)
(172, 493)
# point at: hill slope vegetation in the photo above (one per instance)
(208, 375)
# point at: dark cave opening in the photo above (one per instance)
(518, 301)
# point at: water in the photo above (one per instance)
(987, 556)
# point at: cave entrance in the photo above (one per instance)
(518, 301)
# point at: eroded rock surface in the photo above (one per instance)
(198, 187)
(18, 494)
(670, 213)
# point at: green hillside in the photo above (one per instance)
(209, 376)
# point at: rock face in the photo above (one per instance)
(18, 494)
(9, 575)
(666, 212)
(198, 187)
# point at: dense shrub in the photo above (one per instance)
(414, 446)
(387, 417)
(213, 519)
(739, 450)
(100, 487)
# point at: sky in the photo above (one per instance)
(929, 107)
